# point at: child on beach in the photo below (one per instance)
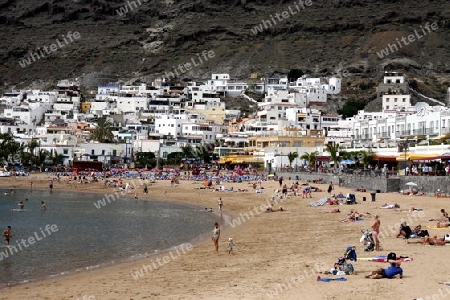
(230, 245)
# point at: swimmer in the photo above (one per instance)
(43, 206)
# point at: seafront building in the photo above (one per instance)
(162, 117)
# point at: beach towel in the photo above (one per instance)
(330, 279)
(383, 258)
(351, 220)
(435, 227)
(321, 202)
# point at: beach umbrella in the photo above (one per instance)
(348, 162)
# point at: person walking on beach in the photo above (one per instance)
(230, 245)
(215, 236)
(7, 234)
(376, 232)
(330, 188)
(220, 203)
(50, 185)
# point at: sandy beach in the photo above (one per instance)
(276, 256)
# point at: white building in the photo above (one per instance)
(41, 96)
(25, 114)
(396, 101)
(12, 98)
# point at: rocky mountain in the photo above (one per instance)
(139, 39)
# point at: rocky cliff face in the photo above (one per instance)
(139, 38)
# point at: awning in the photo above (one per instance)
(322, 158)
(385, 158)
(417, 157)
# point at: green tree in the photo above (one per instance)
(103, 132)
(351, 107)
(365, 157)
(56, 158)
(294, 74)
(333, 149)
(291, 157)
(144, 159)
(310, 157)
(174, 158)
(187, 151)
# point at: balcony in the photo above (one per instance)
(426, 131)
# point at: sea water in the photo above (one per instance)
(73, 235)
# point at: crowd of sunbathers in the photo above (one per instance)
(422, 236)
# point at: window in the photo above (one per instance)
(92, 151)
(404, 99)
(387, 106)
(65, 151)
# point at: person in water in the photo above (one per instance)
(43, 206)
(7, 234)
(21, 205)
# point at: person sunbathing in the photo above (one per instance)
(352, 217)
(405, 231)
(331, 211)
(418, 232)
(434, 241)
(443, 221)
(410, 209)
(390, 206)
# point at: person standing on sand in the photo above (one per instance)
(330, 188)
(216, 236)
(50, 185)
(220, 203)
(376, 232)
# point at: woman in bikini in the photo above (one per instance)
(215, 236)
(376, 232)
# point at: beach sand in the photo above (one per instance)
(276, 255)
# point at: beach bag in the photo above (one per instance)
(350, 253)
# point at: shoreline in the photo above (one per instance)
(112, 262)
(270, 250)
(202, 237)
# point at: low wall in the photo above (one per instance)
(426, 184)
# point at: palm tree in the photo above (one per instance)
(56, 158)
(42, 155)
(333, 149)
(32, 145)
(103, 132)
(310, 157)
(292, 156)
(365, 157)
